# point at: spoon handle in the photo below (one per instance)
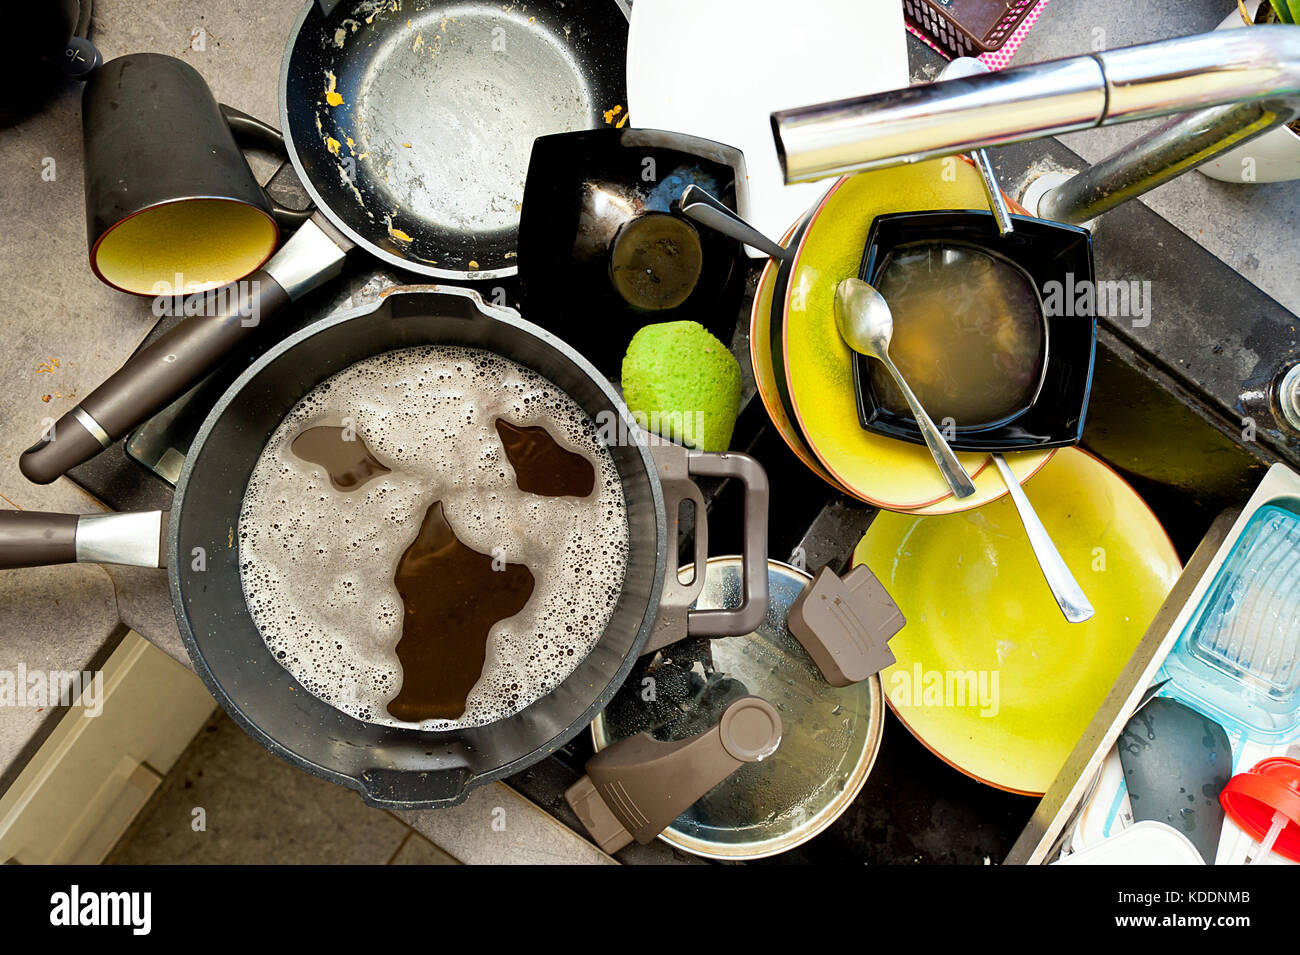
(1069, 595)
(949, 466)
(697, 204)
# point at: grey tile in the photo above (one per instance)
(257, 810)
(417, 850)
(51, 618)
(497, 826)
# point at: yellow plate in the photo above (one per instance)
(760, 356)
(980, 617)
(889, 473)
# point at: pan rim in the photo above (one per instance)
(413, 266)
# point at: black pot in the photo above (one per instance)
(398, 768)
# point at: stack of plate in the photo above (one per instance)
(804, 370)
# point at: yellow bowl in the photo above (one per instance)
(980, 618)
(988, 483)
(892, 474)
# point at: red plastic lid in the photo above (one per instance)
(1252, 798)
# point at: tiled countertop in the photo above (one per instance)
(63, 331)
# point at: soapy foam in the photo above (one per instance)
(317, 564)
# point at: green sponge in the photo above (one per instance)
(682, 383)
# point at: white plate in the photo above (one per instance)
(719, 68)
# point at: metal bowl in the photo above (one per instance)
(830, 739)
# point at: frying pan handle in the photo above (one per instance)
(36, 539)
(165, 369)
(676, 466)
(251, 131)
(153, 378)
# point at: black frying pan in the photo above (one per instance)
(411, 126)
(437, 105)
(404, 768)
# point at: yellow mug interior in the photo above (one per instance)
(185, 246)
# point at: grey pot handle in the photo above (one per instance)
(391, 788)
(36, 539)
(676, 466)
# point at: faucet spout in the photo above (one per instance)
(1222, 89)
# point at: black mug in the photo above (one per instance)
(171, 204)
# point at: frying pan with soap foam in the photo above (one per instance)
(405, 767)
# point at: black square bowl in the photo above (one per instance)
(1047, 252)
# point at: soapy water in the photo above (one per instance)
(318, 564)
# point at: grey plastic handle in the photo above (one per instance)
(753, 573)
(30, 539)
(676, 466)
(635, 788)
(36, 538)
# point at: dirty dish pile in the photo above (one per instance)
(804, 370)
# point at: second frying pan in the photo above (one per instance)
(411, 124)
(411, 127)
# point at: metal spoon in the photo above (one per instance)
(696, 203)
(1069, 595)
(969, 66)
(867, 325)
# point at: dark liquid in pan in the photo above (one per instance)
(453, 597)
(342, 453)
(542, 466)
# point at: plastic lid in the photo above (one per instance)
(1252, 798)
(1148, 842)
